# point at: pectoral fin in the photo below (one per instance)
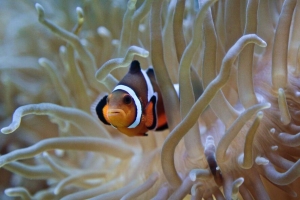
(101, 110)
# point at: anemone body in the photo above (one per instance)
(233, 130)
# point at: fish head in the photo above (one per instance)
(121, 109)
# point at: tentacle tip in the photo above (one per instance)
(42, 61)
(103, 31)
(45, 154)
(263, 43)
(6, 130)
(39, 8)
(56, 191)
(145, 54)
(281, 135)
(59, 152)
(62, 49)
(142, 28)
(260, 114)
(285, 121)
(79, 12)
(131, 4)
(240, 159)
(268, 105)
(261, 161)
(8, 191)
(240, 181)
(192, 176)
(272, 130)
(209, 138)
(281, 91)
(274, 148)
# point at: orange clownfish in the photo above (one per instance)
(135, 104)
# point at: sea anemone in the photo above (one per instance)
(233, 131)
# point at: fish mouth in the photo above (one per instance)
(117, 118)
(116, 113)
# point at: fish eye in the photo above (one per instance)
(127, 99)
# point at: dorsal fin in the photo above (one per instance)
(150, 72)
(134, 67)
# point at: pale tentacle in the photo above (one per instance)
(72, 143)
(167, 157)
(280, 48)
(84, 122)
(18, 192)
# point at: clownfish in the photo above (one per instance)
(135, 105)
